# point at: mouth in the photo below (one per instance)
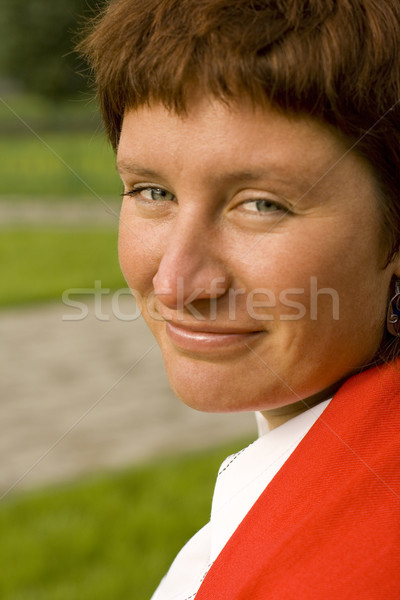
(209, 338)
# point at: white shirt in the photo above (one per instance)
(241, 480)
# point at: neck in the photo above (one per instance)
(279, 415)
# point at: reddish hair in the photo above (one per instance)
(335, 60)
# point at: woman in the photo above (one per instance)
(259, 146)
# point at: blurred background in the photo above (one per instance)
(103, 473)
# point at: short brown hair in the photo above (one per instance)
(335, 60)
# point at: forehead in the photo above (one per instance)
(212, 123)
(214, 140)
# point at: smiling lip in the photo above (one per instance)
(208, 340)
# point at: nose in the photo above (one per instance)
(191, 268)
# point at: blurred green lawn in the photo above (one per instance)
(53, 150)
(21, 109)
(62, 165)
(64, 160)
(38, 264)
(110, 537)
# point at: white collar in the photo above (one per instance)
(243, 477)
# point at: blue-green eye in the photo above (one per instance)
(154, 194)
(263, 206)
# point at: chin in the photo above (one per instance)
(210, 387)
(200, 395)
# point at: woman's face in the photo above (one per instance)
(251, 241)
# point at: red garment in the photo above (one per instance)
(327, 527)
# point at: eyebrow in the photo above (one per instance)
(246, 175)
(127, 167)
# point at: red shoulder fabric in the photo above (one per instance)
(327, 527)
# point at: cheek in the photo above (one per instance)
(314, 268)
(138, 255)
(290, 267)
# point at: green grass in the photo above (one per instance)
(65, 160)
(42, 114)
(54, 150)
(39, 264)
(111, 537)
(62, 165)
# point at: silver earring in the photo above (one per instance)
(393, 314)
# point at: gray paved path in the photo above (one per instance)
(88, 395)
